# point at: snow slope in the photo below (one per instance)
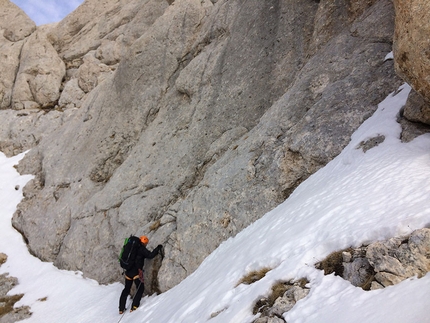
(356, 199)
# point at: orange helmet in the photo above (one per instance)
(144, 240)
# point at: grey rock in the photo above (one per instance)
(387, 279)
(288, 300)
(397, 259)
(198, 118)
(15, 25)
(72, 95)
(357, 271)
(346, 256)
(271, 309)
(16, 315)
(375, 285)
(9, 54)
(386, 263)
(95, 21)
(282, 305)
(275, 320)
(261, 320)
(417, 109)
(40, 74)
(269, 320)
(110, 52)
(9, 315)
(22, 130)
(411, 51)
(7, 283)
(371, 143)
(91, 72)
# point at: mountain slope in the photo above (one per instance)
(357, 198)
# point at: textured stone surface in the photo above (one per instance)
(22, 130)
(198, 117)
(417, 109)
(288, 300)
(398, 259)
(15, 25)
(282, 299)
(412, 55)
(9, 314)
(357, 271)
(386, 263)
(72, 95)
(40, 74)
(91, 72)
(9, 55)
(412, 44)
(94, 21)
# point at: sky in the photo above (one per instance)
(47, 11)
(358, 198)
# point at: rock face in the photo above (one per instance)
(14, 23)
(185, 121)
(40, 74)
(412, 54)
(14, 27)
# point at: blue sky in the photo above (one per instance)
(47, 11)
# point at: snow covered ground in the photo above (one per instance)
(356, 199)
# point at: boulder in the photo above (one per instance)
(283, 298)
(357, 271)
(417, 109)
(40, 74)
(398, 259)
(91, 72)
(287, 301)
(411, 44)
(8, 313)
(384, 263)
(9, 55)
(72, 95)
(15, 25)
(412, 50)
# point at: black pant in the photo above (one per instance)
(126, 291)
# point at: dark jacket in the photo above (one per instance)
(140, 260)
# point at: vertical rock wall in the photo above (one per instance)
(187, 120)
(412, 55)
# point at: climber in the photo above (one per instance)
(134, 269)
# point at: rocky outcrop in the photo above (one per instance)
(9, 314)
(41, 71)
(412, 54)
(375, 266)
(108, 26)
(14, 27)
(186, 120)
(282, 299)
(382, 263)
